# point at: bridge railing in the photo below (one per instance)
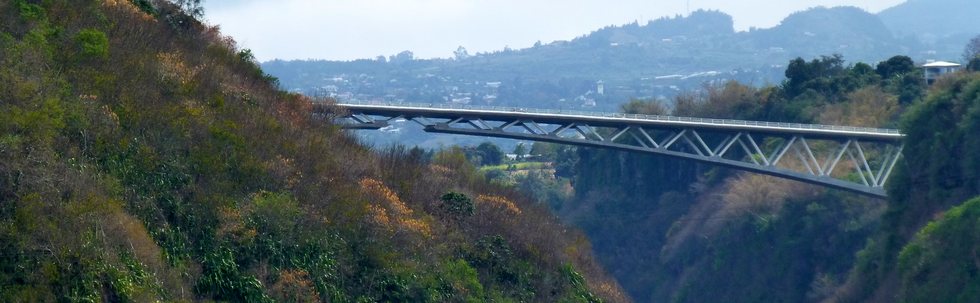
(631, 116)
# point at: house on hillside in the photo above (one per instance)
(935, 69)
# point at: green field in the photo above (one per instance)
(517, 166)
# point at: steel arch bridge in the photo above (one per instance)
(855, 159)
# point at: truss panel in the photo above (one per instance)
(853, 159)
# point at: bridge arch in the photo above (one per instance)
(854, 159)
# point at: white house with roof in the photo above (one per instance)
(936, 69)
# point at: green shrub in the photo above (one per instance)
(146, 6)
(30, 11)
(580, 291)
(464, 281)
(939, 264)
(974, 65)
(93, 43)
(457, 205)
(222, 278)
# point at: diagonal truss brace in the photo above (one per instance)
(740, 149)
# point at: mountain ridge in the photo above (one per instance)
(632, 60)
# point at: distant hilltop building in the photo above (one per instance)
(935, 69)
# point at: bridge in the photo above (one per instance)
(808, 153)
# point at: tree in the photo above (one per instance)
(547, 151)
(520, 150)
(490, 154)
(457, 205)
(94, 43)
(644, 106)
(909, 87)
(900, 76)
(565, 162)
(895, 66)
(858, 75)
(972, 50)
(498, 176)
(815, 75)
(974, 65)
(402, 57)
(731, 100)
(461, 53)
(191, 7)
(180, 14)
(146, 6)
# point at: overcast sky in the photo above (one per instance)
(352, 29)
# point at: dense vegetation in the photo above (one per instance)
(690, 233)
(941, 171)
(675, 231)
(679, 231)
(143, 157)
(939, 264)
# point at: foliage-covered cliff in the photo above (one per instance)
(905, 261)
(144, 157)
(680, 231)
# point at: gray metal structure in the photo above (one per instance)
(855, 159)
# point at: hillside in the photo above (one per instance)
(718, 233)
(848, 31)
(658, 59)
(144, 157)
(935, 22)
(674, 231)
(923, 252)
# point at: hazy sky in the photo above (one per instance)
(352, 29)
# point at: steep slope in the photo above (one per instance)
(747, 238)
(939, 264)
(940, 171)
(143, 157)
(674, 231)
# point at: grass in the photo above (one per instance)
(517, 166)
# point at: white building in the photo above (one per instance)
(936, 69)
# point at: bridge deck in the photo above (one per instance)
(614, 119)
(814, 153)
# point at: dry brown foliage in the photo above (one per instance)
(867, 107)
(758, 194)
(389, 211)
(726, 101)
(294, 286)
(498, 202)
(645, 107)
